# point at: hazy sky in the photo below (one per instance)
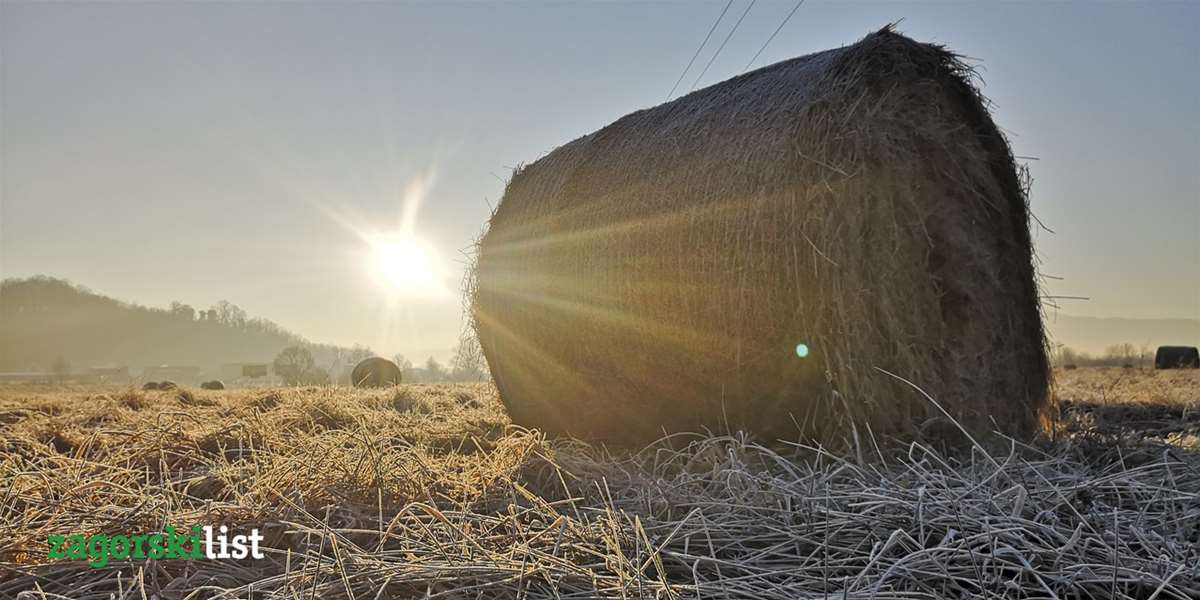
(212, 151)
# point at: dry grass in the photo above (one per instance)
(1173, 387)
(1133, 404)
(427, 492)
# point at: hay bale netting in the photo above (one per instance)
(375, 372)
(215, 384)
(752, 252)
(1177, 357)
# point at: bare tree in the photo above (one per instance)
(358, 354)
(182, 311)
(434, 371)
(409, 372)
(293, 363)
(230, 314)
(402, 362)
(1120, 354)
(468, 363)
(1065, 355)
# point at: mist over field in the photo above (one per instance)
(1096, 335)
(45, 319)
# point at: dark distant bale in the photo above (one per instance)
(150, 385)
(215, 384)
(1070, 367)
(167, 385)
(753, 255)
(1177, 357)
(375, 372)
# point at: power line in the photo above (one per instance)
(777, 30)
(702, 44)
(722, 47)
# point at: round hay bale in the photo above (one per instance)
(375, 372)
(1177, 357)
(755, 255)
(215, 384)
(150, 385)
(167, 385)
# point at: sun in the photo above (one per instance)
(406, 266)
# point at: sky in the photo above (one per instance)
(255, 152)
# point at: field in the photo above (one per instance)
(429, 492)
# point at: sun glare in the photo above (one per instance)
(406, 266)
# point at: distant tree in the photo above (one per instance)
(434, 371)
(402, 362)
(267, 326)
(1120, 354)
(293, 363)
(61, 369)
(468, 363)
(182, 311)
(409, 372)
(358, 354)
(341, 361)
(230, 314)
(1065, 355)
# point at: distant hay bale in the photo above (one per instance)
(150, 385)
(167, 385)
(215, 384)
(756, 253)
(375, 372)
(1177, 357)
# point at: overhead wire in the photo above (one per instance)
(722, 46)
(775, 33)
(698, 50)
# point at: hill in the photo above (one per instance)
(44, 320)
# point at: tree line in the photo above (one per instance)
(295, 365)
(1116, 355)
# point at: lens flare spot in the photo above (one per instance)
(802, 350)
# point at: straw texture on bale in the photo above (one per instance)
(661, 274)
(375, 372)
